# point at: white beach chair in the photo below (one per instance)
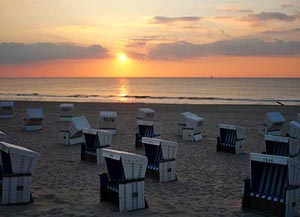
(6, 109)
(16, 166)
(148, 129)
(33, 119)
(3, 136)
(273, 124)
(273, 187)
(66, 111)
(146, 114)
(124, 182)
(189, 126)
(95, 140)
(294, 130)
(108, 121)
(231, 139)
(74, 134)
(161, 156)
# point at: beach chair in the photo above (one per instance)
(95, 140)
(294, 130)
(148, 129)
(161, 156)
(16, 166)
(66, 111)
(282, 146)
(6, 109)
(74, 134)
(3, 136)
(189, 126)
(33, 119)
(123, 185)
(273, 187)
(273, 124)
(146, 114)
(108, 121)
(231, 139)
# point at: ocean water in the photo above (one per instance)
(154, 90)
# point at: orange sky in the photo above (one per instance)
(160, 38)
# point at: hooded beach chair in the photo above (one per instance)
(95, 140)
(66, 111)
(3, 136)
(146, 114)
(148, 129)
(33, 119)
(273, 124)
(273, 187)
(108, 121)
(74, 134)
(6, 109)
(16, 166)
(189, 126)
(285, 146)
(231, 138)
(161, 156)
(124, 183)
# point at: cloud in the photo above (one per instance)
(286, 5)
(18, 53)
(279, 32)
(265, 16)
(233, 9)
(167, 20)
(235, 47)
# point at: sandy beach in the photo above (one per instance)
(209, 183)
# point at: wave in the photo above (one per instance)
(177, 98)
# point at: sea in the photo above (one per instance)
(154, 90)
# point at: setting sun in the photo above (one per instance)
(122, 57)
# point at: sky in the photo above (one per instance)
(149, 38)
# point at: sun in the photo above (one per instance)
(122, 57)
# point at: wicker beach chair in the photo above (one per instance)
(16, 166)
(95, 140)
(123, 185)
(148, 129)
(33, 119)
(189, 126)
(146, 114)
(273, 188)
(108, 121)
(6, 109)
(66, 111)
(273, 124)
(231, 139)
(161, 156)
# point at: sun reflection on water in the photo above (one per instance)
(123, 90)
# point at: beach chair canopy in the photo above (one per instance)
(108, 114)
(294, 129)
(34, 113)
(192, 120)
(6, 104)
(124, 166)
(77, 124)
(271, 174)
(16, 159)
(230, 134)
(159, 149)
(145, 113)
(274, 119)
(66, 106)
(95, 138)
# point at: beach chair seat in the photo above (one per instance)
(66, 111)
(74, 135)
(161, 156)
(231, 139)
(108, 121)
(123, 184)
(148, 129)
(146, 114)
(33, 119)
(273, 124)
(16, 166)
(189, 126)
(282, 146)
(273, 188)
(6, 109)
(95, 140)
